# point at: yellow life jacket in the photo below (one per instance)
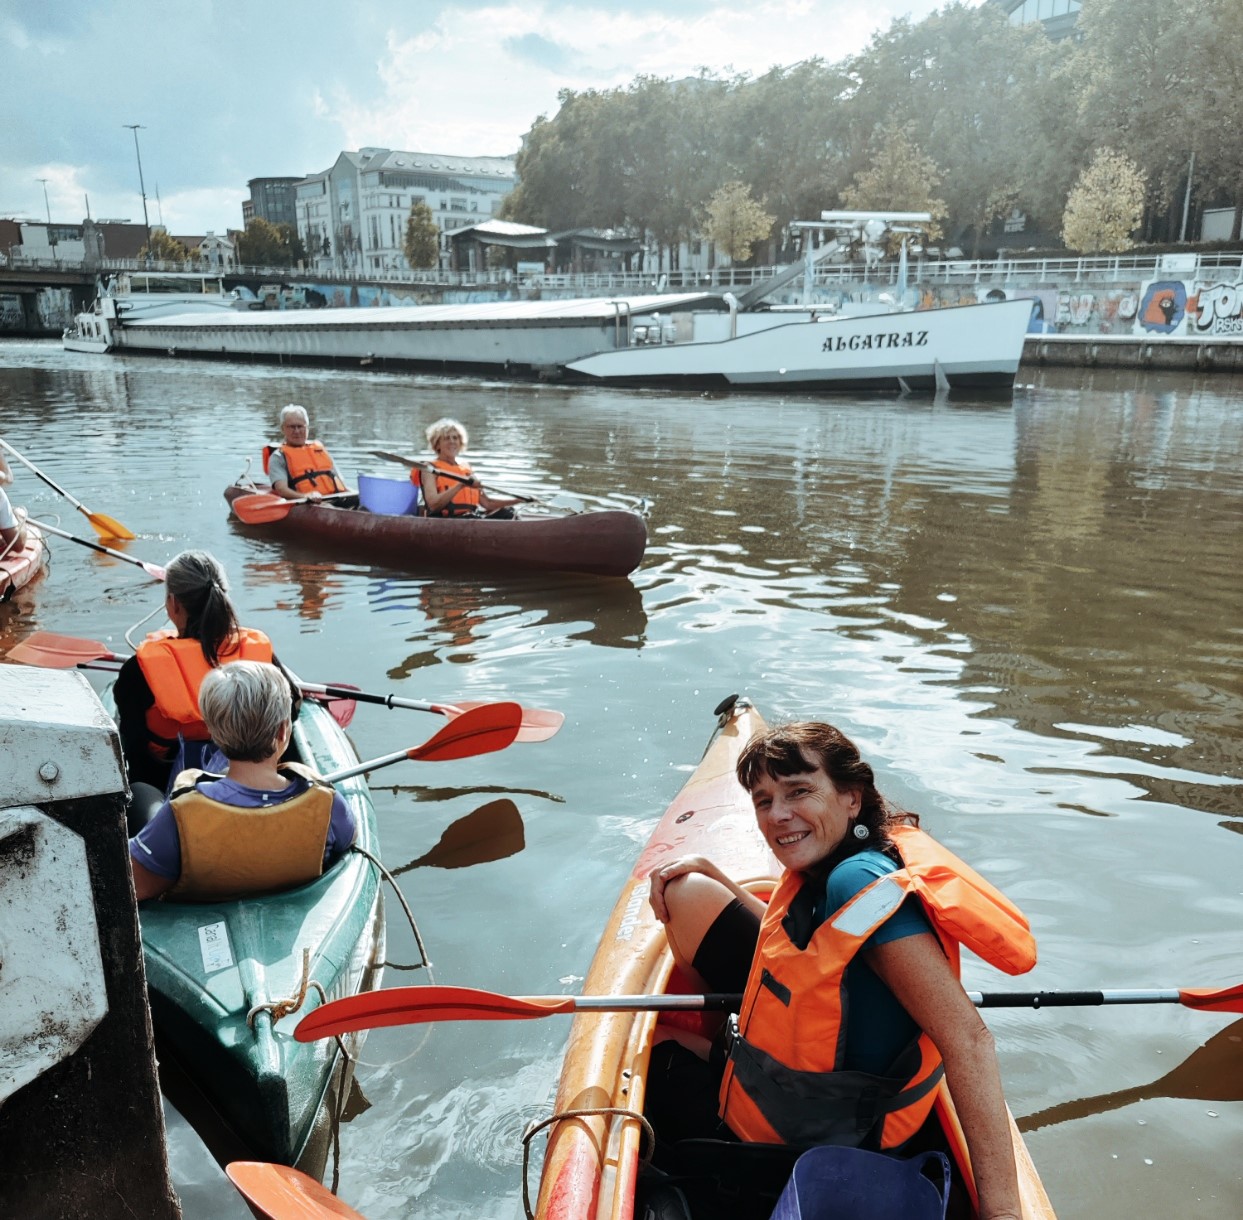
(784, 1081)
(465, 502)
(174, 669)
(310, 468)
(228, 851)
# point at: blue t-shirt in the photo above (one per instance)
(157, 846)
(878, 1028)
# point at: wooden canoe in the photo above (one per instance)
(19, 567)
(606, 543)
(591, 1163)
(209, 965)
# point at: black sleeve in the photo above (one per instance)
(133, 698)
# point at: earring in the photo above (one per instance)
(860, 831)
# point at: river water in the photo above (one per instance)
(1026, 611)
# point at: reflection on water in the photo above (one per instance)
(1026, 612)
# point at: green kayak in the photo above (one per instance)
(210, 965)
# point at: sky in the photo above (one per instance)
(229, 90)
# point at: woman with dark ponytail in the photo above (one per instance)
(156, 692)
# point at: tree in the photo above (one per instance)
(422, 241)
(263, 245)
(900, 178)
(735, 221)
(164, 248)
(291, 241)
(1106, 205)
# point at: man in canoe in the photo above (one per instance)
(449, 486)
(301, 468)
(12, 521)
(852, 1009)
(263, 825)
(156, 691)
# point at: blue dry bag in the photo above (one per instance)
(832, 1183)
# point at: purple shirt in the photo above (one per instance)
(157, 846)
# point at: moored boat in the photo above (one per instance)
(606, 543)
(20, 566)
(591, 1166)
(218, 975)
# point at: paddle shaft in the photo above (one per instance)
(56, 487)
(151, 569)
(457, 478)
(342, 692)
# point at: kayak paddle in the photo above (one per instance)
(482, 730)
(264, 507)
(281, 1193)
(152, 569)
(417, 1005)
(537, 724)
(51, 651)
(457, 478)
(492, 832)
(101, 523)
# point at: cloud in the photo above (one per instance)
(450, 76)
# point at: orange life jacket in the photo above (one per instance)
(174, 669)
(310, 467)
(228, 851)
(465, 503)
(784, 1081)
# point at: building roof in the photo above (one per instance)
(506, 233)
(452, 163)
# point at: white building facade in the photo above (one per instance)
(352, 217)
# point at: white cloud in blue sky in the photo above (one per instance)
(229, 90)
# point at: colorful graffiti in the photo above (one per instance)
(1216, 309)
(1163, 306)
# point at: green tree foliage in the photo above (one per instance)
(265, 245)
(735, 221)
(164, 248)
(421, 245)
(1106, 205)
(900, 178)
(292, 242)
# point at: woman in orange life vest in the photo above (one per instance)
(260, 826)
(869, 910)
(444, 497)
(300, 467)
(156, 691)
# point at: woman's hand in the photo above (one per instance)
(660, 877)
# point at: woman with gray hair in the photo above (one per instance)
(263, 825)
(456, 492)
(156, 691)
(299, 467)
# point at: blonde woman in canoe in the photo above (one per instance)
(449, 497)
(852, 1008)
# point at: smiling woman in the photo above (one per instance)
(852, 1010)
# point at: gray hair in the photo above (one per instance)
(245, 706)
(293, 409)
(442, 427)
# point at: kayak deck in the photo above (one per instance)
(592, 1162)
(210, 966)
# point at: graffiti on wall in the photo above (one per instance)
(1216, 309)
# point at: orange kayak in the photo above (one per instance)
(19, 568)
(592, 1162)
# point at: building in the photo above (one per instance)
(352, 217)
(271, 199)
(1057, 16)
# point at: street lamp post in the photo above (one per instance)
(50, 236)
(146, 224)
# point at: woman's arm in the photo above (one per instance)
(660, 877)
(917, 972)
(434, 500)
(148, 884)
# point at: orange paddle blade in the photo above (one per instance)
(282, 1193)
(419, 1005)
(108, 527)
(262, 508)
(538, 724)
(482, 730)
(1220, 999)
(51, 651)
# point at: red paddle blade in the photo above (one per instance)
(537, 724)
(419, 1005)
(261, 508)
(340, 708)
(51, 651)
(482, 730)
(1221, 999)
(282, 1193)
